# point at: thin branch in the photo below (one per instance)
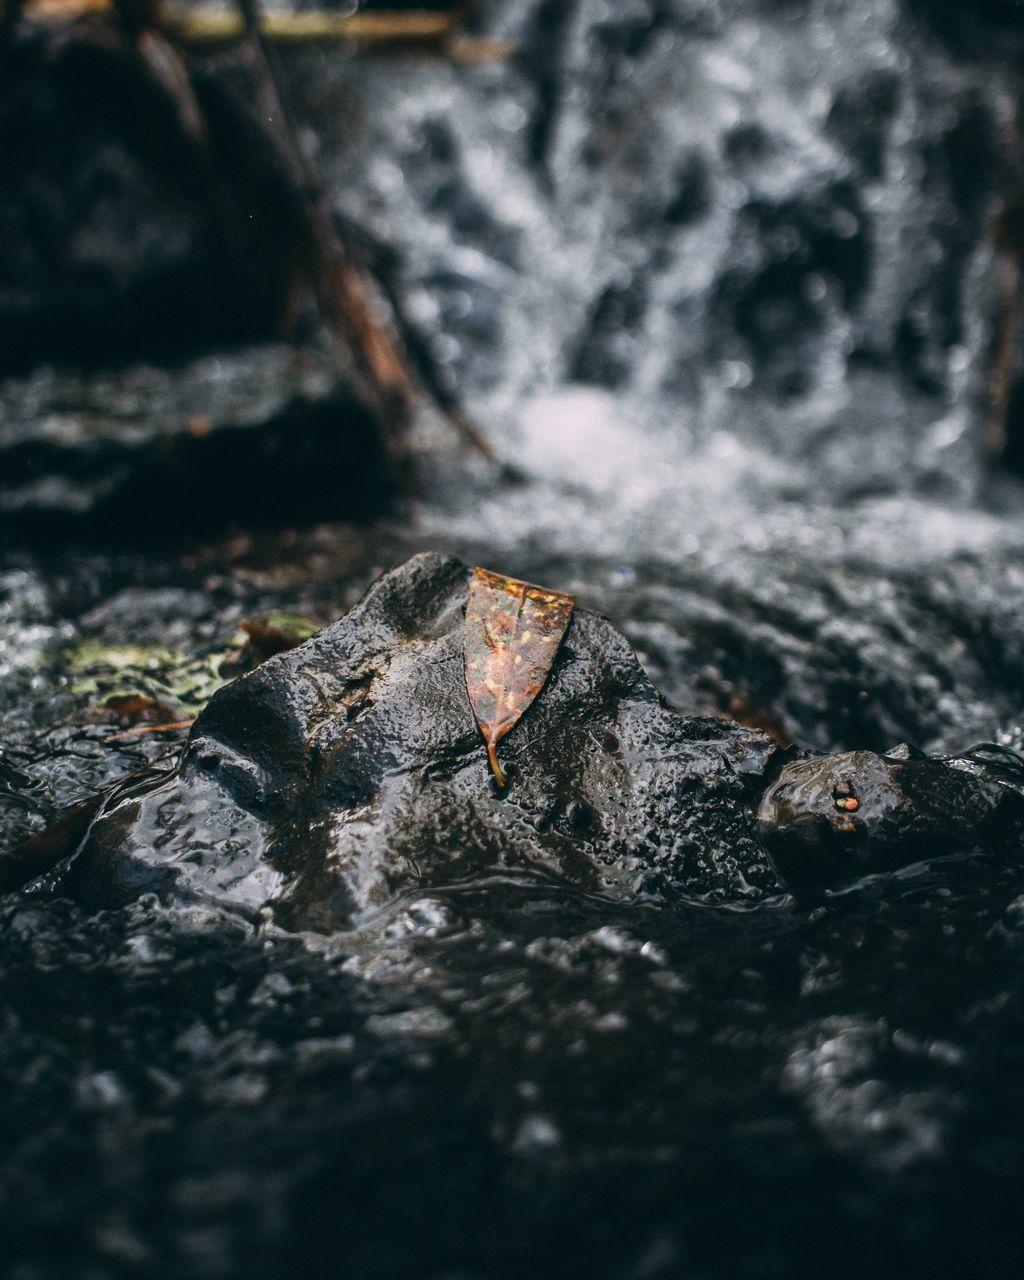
(370, 28)
(382, 261)
(140, 729)
(341, 292)
(340, 283)
(142, 20)
(1009, 238)
(996, 425)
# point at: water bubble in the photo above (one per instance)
(511, 116)
(536, 1133)
(734, 374)
(846, 224)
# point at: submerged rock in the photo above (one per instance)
(340, 774)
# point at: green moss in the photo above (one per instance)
(98, 672)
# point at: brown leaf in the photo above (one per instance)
(136, 708)
(270, 636)
(513, 631)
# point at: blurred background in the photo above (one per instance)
(708, 311)
(786, 229)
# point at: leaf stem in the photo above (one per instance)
(492, 759)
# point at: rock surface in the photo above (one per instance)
(851, 814)
(241, 437)
(346, 773)
(341, 774)
(115, 242)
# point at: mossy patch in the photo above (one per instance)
(102, 674)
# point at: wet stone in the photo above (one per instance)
(858, 812)
(349, 770)
(255, 436)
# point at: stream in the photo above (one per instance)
(717, 278)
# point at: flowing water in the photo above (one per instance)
(717, 279)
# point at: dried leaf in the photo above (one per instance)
(271, 635)
(136, 708)
(513, 631)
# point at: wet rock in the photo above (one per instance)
(851, 653)
(116, 241)
(255, 436)
(841, 817)
(349, 770)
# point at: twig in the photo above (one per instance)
(382, 261)
(143, 21)
(427, 29)
(149, 728)
(341, 292)
(1003, 366)
(1009, 238)
(370, 28)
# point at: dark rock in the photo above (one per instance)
(837, 818)
(256, 436)
(346, 772)
(116, 241)
(340, 774)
